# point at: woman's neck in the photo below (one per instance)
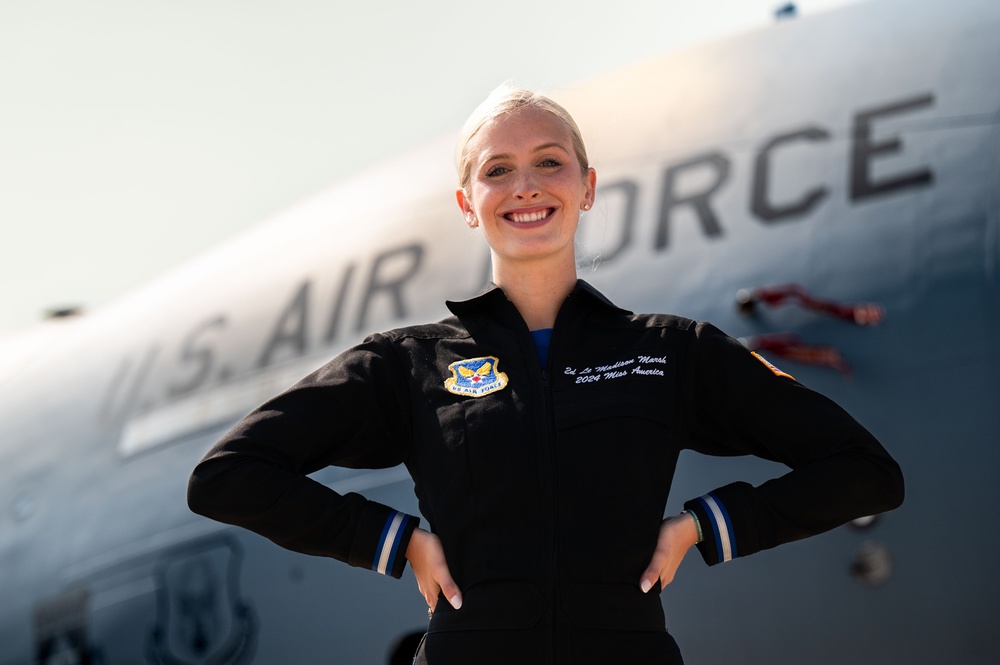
(537, 290)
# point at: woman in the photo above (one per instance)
(541, 425)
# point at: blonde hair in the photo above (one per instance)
(503, 101)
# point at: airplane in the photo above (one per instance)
(826, 189)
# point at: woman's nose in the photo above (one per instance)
(526, 187)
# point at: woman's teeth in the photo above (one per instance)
(524, 218)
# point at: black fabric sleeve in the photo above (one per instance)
(353, 412)
(739, 404)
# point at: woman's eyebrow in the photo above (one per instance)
(544, 146)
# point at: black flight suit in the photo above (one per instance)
(546, 487)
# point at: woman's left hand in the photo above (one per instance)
(677, 535)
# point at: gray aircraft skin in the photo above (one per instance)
(855, 154)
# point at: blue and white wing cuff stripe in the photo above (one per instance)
(719, 543)
(394, 532)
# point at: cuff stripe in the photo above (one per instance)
(388, 544)
(722, 526)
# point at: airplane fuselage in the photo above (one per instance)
(853, 155)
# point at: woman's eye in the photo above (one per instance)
(550, 162)
(495, 171)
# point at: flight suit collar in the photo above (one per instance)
(493, 299)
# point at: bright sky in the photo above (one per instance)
(135, 135)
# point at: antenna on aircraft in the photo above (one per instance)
(64, 312)
(786, 11)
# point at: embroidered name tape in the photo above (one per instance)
(475, 377)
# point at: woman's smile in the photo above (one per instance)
(527, 187)
(529, 216)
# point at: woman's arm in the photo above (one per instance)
(740, 404)
(353, 412)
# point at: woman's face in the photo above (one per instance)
(526, 187)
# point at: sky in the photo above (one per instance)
(137, 134)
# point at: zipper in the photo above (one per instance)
(553, 461)
(549, 476)
(546, 439)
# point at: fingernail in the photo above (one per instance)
(646, 586)
(456, 601)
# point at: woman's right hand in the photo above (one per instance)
(426, 557)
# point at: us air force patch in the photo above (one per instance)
(774, 369)
(475, 377)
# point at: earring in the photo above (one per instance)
(471, 219)
(585, 207)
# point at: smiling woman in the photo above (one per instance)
(525, 179)
(541, 425)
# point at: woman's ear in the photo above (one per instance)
(591, 189)
(466, 206)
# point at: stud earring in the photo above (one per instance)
(585, 206)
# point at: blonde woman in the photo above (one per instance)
(543, 488)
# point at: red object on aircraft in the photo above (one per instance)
(791, 346)
(862, 314)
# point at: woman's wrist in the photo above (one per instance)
(697, 525)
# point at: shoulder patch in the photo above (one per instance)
(771, 367)
(475, 377)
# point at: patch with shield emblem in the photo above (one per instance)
(475, 377)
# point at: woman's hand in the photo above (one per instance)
(426, 557)
(677, 535)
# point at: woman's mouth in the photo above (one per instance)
(528, 217)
